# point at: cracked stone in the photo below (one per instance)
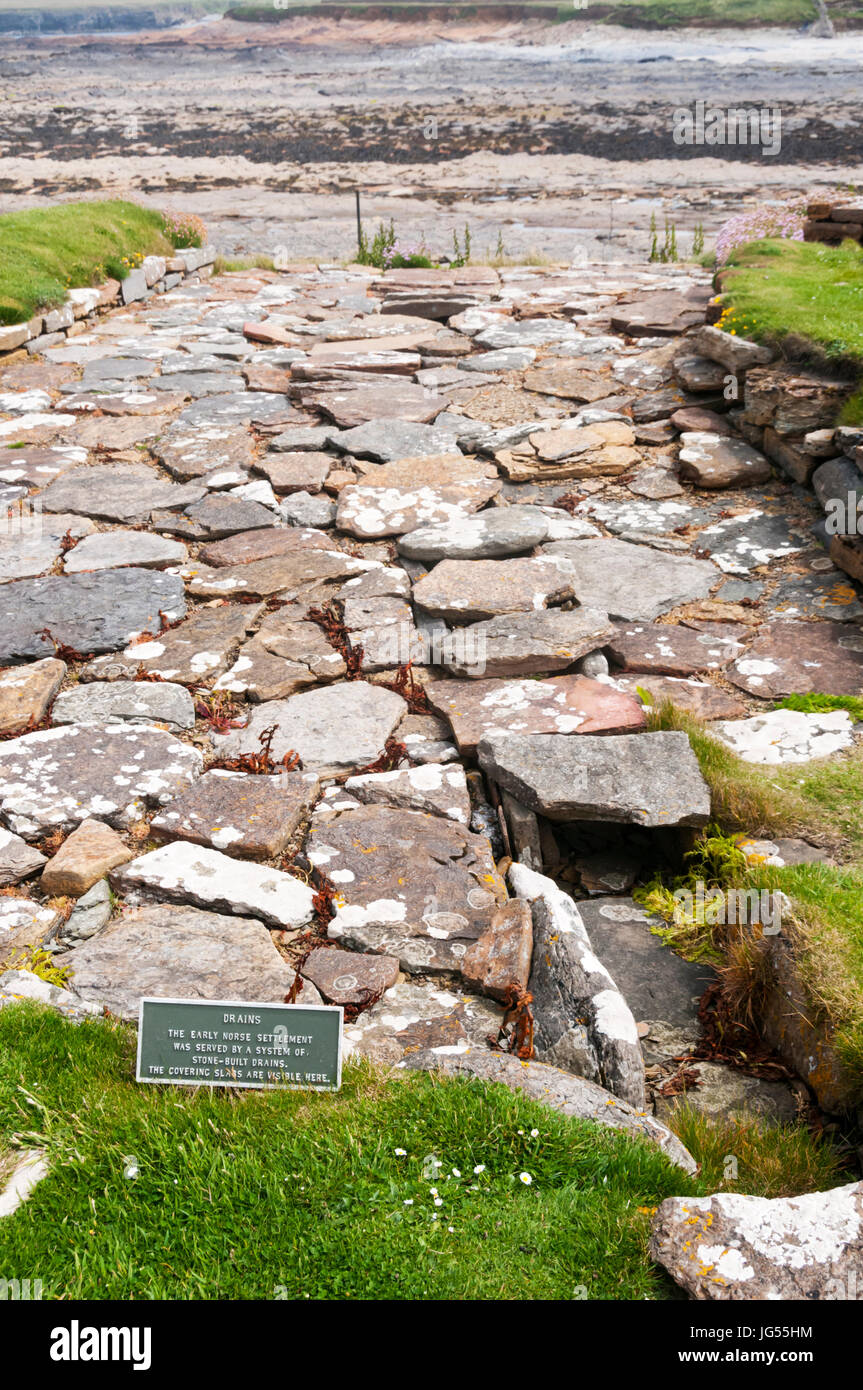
(404, 496)
(670, 650)
(501, 956)
(525, 644)
(286, 634)
(346, 977)
(117, 492)
(195, 453)
(496, 532)
(428, 917)
(648, 779)
(632, 581)
(715, 461)
(26, 692)
(308, 509)
(18, 860)
(434, 788)
(464, 591)
(24, 923)
(309, 574)
(260, 676)
(341, 726)
(788, 658)
(730, 1246)
(222, 516)
(191, 653)
(247, 546)
(423, 1015)
(118, 549)
(390, 440)
(88, 612)
(303, 471)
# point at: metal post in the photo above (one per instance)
(359, 223)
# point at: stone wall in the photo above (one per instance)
(790, 415)
(834, 222)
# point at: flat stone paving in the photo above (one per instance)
(204, 611)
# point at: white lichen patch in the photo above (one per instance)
(787, 736)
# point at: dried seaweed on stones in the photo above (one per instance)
(406, 685)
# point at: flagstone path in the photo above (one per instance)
(239, 509)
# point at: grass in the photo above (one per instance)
(295, 1195)
(238, 1196)
(47, 251)
(654, 14)
(775, 1160)
(8, 1160)
(818, 801)
(711, 13)
(778, 288)
(228, 265)
(814, 703)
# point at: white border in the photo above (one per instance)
(243, 1004)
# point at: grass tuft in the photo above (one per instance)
(814, 703)
(770, 1160)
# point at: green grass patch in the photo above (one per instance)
(663, 14)
(772, 1160)
(815, 703)
(296, 1195)
(819, 801)
(778, 288)
(47, 251)
(242, 1195)
(650, 14)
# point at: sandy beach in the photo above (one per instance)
(544, 148)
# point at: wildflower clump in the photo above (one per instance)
(784, 222)
(184, 229)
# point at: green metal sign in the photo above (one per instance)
(220, 1042)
